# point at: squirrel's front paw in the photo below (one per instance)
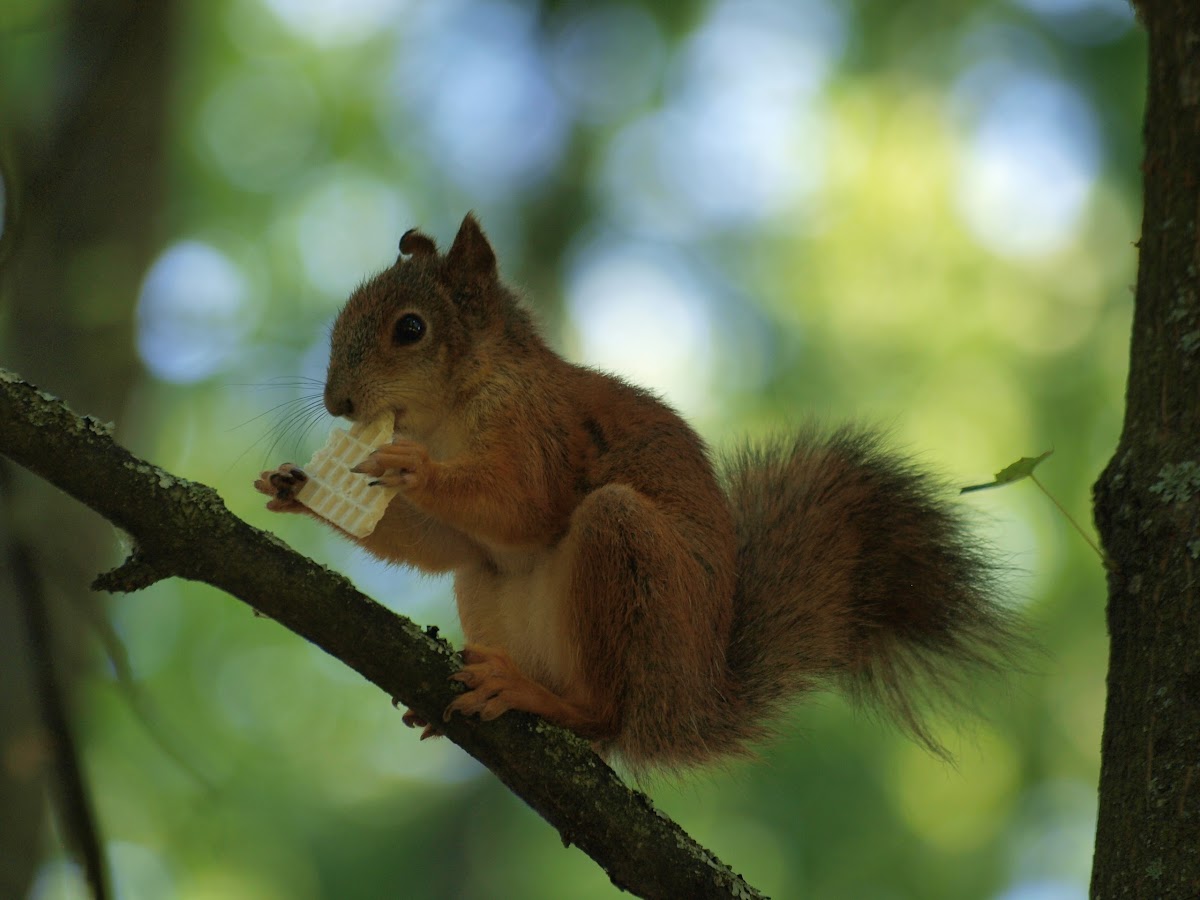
(402, 463)
(282, 485)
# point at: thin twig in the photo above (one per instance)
(74, 799)
(1062, 509)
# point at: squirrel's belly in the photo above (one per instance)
(523, 611)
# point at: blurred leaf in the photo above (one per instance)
(1022, 468)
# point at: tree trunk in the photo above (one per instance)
(1148, 508)
(83, 221)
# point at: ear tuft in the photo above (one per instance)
(471, 255)
(415, 243)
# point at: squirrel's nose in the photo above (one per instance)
(338, 406)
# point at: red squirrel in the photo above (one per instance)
(609, 576)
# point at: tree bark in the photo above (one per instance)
(183, 529)
(1148, 508)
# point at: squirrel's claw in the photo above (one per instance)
(369, 466)
(414, 720)
(399, 464)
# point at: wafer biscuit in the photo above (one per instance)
(345, 498)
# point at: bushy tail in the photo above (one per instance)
(853, 569)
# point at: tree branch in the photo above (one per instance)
(183, 529)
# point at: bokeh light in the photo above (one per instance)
(194, 312)
(346, 225)
(331, 24)
(641, 315)
(475, 77)
(607, 61)
(1084, 21)
(261, 127)
(1031, 162)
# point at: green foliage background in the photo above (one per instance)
(304, 140)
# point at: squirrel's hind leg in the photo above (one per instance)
(648, 613)
(639, 661)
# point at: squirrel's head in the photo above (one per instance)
(419, 336)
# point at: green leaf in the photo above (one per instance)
(1022, 468)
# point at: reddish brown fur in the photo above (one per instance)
(604, 578)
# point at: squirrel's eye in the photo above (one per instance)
(409, 329)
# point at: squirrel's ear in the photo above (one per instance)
(414, 243)
(471, 254)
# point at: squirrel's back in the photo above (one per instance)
(634, 439)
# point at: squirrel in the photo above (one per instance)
(608, 576)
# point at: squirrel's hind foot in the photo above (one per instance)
(496, 685)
